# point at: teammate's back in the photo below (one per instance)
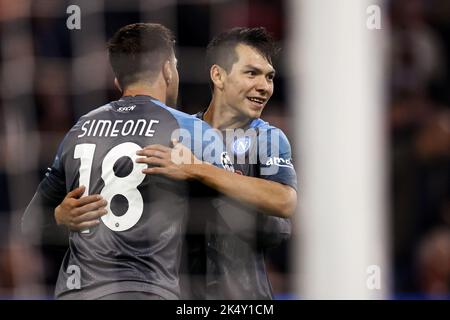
(137, 245)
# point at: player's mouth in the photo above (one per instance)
(257, 101)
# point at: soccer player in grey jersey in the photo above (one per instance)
(134, 251)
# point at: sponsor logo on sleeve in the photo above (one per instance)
(280, 162)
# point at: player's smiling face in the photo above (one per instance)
(249, 84)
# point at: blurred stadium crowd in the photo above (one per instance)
(51, 75)
(419, 126)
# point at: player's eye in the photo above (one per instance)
(251, 73)
(270, 77)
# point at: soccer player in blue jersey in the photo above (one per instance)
(260, 199)
(134, 251)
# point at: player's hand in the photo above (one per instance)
(173, 162)
(80, 213)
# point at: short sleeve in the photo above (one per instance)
(275, 157)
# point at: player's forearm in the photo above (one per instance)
(268, 197)
(38, 214)
(38, 225)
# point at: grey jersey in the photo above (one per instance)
(137, 245)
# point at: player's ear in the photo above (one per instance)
(217, 75)
(167, 72)
(117, 84)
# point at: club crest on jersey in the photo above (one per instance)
(241, 145)
(226, 162)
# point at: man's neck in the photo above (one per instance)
(222, 117)
(145, 90)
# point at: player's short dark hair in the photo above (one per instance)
(138, 51)
(221, 49)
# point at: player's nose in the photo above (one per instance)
(264, 85)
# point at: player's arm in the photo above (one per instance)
(266, 196)
(38, 221)
(51, 207)
(275, 165)
(45, 213)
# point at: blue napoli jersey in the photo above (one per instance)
(238, 236)
(260, 150)
(137, 245)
